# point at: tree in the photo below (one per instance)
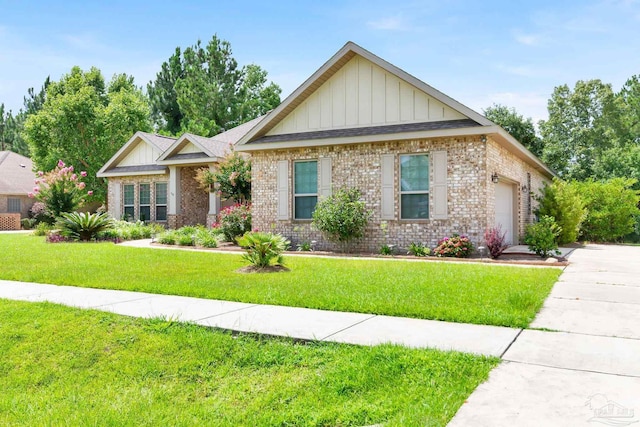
(203, 91)
(583, 124)
(520, 128)
(84, 122)
(562, 201)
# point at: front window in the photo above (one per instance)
(161, 201)
(129, 200)
(305, 188)
(414, 186)
(145, 202)
(14, 205)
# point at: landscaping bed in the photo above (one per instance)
(66, 366)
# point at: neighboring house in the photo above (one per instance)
(151, 178)
(427, 166)
(16, 182)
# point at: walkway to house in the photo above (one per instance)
(589, 371)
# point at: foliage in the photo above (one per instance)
(542, 236)
(190, 236)
(54, 237)
(206, 238)
(494, 238)
(342, 216)
(562, 201)
(42, 229)
(263, 249)
(455, 246)
(28, 223)
(612, 208)
(234, 221)
(169, 237)
(418, 249)
(305, 246)
(85, 122)
(83, 225)
(61, 190)
(125, 230)
(184, 239)
(143, 372)
(520, 128)
(452, 292)
(387, 249)
(202, 90)
(231, 178)
(38, 212)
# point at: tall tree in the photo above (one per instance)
(583, 124)
(520, 128)
(203, 90)
(84, 122)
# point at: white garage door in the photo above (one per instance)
(504, 210)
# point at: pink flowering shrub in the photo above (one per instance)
(61, 190)
(494, 238)
(455, 246)
(234, 221)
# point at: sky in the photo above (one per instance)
(478, 52)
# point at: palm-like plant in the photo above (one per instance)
(263, 248)
(83, 225)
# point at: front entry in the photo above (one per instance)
(504, 211)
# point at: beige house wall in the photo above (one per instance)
(25, 204)
(136, 180)
(359, 166)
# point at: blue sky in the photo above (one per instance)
(507, 52)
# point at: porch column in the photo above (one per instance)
(214, 199)
(174, 190)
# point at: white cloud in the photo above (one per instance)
(390, 23)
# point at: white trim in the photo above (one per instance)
(116, 158)
(189, 162)
(295, 195)
(137, 173)
(176, 146)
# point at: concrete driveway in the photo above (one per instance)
(583, 366)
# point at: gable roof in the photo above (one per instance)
(16, 174)
(159, 142)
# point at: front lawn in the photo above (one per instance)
(65, 366)
(468, 293)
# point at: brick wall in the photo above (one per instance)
(25, 204)
(470, 192)
(136, 180)
(10, 221)
(194, 203)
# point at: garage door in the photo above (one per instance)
(504, 210)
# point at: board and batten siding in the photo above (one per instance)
(141, 154)
(190, 148)
(363, 94)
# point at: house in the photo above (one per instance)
(427, 166)
(151, 178)
(16, 182)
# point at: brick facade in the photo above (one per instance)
(136, 181)
(25, 204)
(470, 163)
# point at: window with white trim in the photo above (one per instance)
(14, 205)
(305, 188)
(161, 201)
(129, 198)
(145, 202)
(414, 186)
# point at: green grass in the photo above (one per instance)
(65, 366)
(468, 293)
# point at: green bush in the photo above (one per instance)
(184, 239)
(125, 230)
(542, 236)
(168, 237)
(263, 249)
(455, 246)
(42, 229)
(28, 223)
(206, 238)
(612, 208)
(343, 216)
(83, 225)
(418, 249)
(562, 201)
(234, 221)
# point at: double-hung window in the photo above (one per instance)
(145, 202)
(14, 205)
(161, 201)
(129, 202)
(414, 186)
(305, 188)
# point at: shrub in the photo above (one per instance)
(612, 207)
(387, 249)
(61, 190)
(562, 201)
(83, 225)
(38, 212)
(28, 223)
(234, 221)
(494, 238)
(42, 229)
(455, 246)
(168, 238)
(305, 246)
(184, 239)
(124, 230)
(231, 178)
(56, 238)
(541, 237)
(418, 249)
(263, 248)
(342, 216)
(206, 238)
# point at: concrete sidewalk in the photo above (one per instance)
(589, 371)
(301, 323)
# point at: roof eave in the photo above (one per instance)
(135, 173)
